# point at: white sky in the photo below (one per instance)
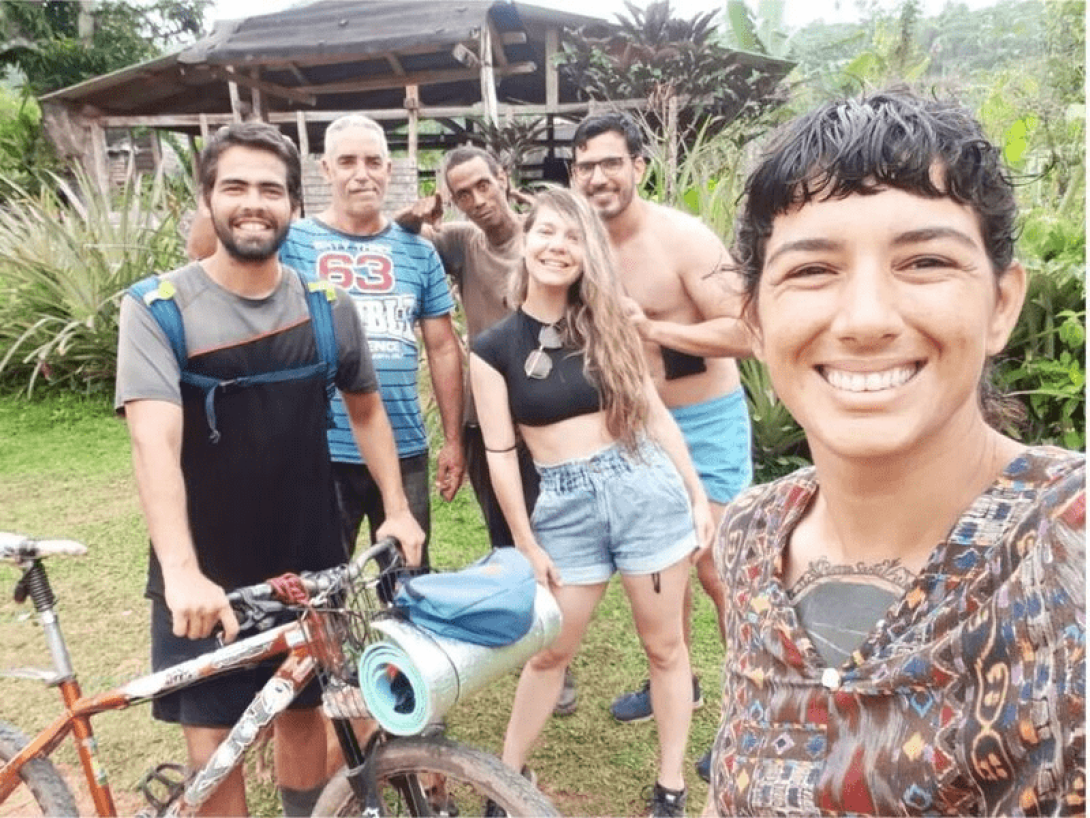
(798, 12)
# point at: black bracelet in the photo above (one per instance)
(510, 448)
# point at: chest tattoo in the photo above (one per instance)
(839, 605)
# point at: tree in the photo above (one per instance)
(511, 141)
(57, 43)
(762, 32)
(686, 75)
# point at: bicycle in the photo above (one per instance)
(421, 775)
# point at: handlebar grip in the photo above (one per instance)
(249, 593)
(387, 545)
(17, 547)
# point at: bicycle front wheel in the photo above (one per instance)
(436, 776)
(43, 791)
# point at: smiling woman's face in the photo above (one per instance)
(875, 315)
(554, 250)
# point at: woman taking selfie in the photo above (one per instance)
(618, 491)
(907, 630)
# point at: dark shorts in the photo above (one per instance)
(218, 702)
(358, 497)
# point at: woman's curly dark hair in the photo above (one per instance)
(893, 139)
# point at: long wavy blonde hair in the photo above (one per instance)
(594, 320)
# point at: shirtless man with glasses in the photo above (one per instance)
(685, 303)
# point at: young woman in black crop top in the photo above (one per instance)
(618, 490)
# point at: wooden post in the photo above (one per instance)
(157, 158)
(412, 105)
(156, 150)
(130, 161)
(304, 137)
(195, 163)
(488, 77)
(204, 127)
(257, 99)
(236, 101)
(552, 82)
(100, 172)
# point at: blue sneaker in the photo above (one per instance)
(633, 707)
(704, 766)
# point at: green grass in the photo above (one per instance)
(65, 472)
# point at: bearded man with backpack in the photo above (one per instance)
(225, 368)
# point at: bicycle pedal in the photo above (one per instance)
(170, 780)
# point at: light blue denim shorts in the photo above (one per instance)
(614, 511)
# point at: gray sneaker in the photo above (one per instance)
(568, 699)
(633, 707)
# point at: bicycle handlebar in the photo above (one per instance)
(18, 548)
(253, 603)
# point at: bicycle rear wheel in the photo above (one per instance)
(436, 776)
(43, 791)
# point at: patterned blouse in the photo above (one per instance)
(967, 698)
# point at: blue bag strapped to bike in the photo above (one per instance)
(157, 294)
(489, 602)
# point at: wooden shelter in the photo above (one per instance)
(457, 63)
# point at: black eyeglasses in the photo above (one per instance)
(611, 166)
(538, 363)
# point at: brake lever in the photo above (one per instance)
(252, 612)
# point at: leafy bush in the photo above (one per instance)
(66, 258)
(779, 444)
(1042, 128)
(1045, 362)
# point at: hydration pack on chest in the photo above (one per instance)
(157, 294)
(489, 602)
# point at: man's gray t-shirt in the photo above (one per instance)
(215, 318)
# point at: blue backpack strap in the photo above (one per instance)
(157, 294)
(320, 298)
(210, 385)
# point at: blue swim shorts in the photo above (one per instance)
(717, 432)
(615, 511)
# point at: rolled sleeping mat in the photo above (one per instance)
(413, 677)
